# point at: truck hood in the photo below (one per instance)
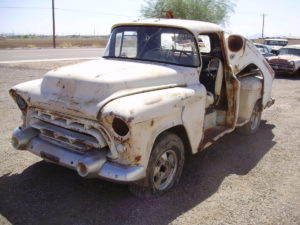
(83, 89)
(284, 58)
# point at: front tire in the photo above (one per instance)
(164, 168)
(253, 125)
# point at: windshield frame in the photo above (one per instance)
(113, 37)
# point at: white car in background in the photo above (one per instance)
(275, 44)
(287, 61)
(264, 50)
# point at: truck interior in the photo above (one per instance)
(212, 76)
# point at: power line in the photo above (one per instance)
(91, 12)
(64, 9)
(21, 7)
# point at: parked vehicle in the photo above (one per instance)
(131, 116)
(275, 44)
(288, 60)
(264, 50)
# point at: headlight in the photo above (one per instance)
(120, 127)
(21, 102)
(18, 99)
(292, 63)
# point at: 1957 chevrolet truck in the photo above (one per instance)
(164, 87)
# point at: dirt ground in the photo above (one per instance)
(238, 180)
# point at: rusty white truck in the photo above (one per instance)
(164, 88)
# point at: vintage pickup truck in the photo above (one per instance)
(164, 88)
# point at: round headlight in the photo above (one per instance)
(292, 63)
(120, 127)
(21, 102)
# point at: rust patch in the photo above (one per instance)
(137, 158)
(232, 90)
(152, 122)
(90, 101)
(236, 69)
(130, 119)
(13, 93)
(209, 136)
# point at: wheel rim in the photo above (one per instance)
(255, 117)
(165, 168)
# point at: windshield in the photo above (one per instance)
(260, 48)
(289, 51)
(159, 44)
(275, 42)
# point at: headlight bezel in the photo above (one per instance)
(19, 100)
(120, 127)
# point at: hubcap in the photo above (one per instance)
(165, 169)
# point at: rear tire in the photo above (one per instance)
(253, 125)
(164, 168)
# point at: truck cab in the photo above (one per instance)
(164, 87)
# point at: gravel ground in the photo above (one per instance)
(238, 180)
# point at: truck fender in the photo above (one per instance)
(148, 114)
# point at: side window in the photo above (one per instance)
(126, 44)
(204, 43)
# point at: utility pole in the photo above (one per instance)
(263, 25)
(53, 24)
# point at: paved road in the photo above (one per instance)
(48, 54)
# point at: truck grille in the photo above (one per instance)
(282, 66)
(71, 132)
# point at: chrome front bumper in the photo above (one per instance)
(90, 164)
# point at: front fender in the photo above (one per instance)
(149, 114)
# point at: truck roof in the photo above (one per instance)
(194, 26)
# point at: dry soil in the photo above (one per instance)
(238, 180)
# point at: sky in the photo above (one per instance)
(95, 17)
